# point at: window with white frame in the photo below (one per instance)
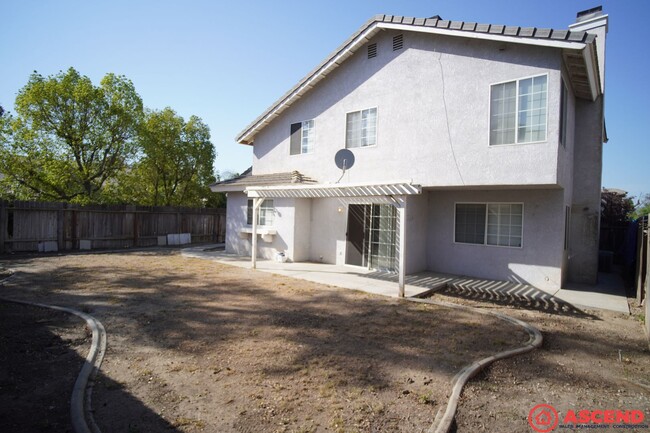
(504, 224)
(498, 224)
(361, 128)
(518, 111)
(266, 213)
(302, 137)
(470, 223)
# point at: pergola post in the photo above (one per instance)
(257, 202)
(401, 212)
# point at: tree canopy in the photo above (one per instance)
(616, 208)
(642, 207)
(69, 137)
(176, 167)
(72, 141)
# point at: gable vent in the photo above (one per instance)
(398, 42)
(372, 51)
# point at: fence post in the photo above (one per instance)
(640, 250)
(136, 229)
(215, 227)
(60, 221)
(4, 222)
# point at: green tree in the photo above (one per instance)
(642, 207)
(176, 168)
(69, 137)
(616, 208)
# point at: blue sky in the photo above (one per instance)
(228, 61)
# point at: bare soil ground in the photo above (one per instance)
(199, 346)
(589, 360)
(41, 354)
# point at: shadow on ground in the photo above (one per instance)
(39, 366)
(497, 292)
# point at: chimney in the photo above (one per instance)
(593, 21)
(589, 13)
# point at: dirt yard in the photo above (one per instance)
(41, 353)
(589, 360)
(199, 346)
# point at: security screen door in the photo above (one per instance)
(371, 236)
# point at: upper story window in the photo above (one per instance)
(266, 213)
(518, 111)
(361, 128)
(302, 137)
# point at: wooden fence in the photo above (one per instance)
(642, 267)
(40, 226)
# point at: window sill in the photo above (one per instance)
(266, 233)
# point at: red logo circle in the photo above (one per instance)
(543, 418)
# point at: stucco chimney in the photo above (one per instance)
(593, 21)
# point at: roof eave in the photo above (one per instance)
(363, 35)
(486, 36)
(333, 61)
(591, 62)
(227, 188)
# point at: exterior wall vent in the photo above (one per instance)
(372, 50)
(398, 42)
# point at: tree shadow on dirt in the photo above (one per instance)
(183, 311)
(210, 309)
(38, 371)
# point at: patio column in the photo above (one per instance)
(257, 202)
(401, 212)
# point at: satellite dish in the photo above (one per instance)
(344, 159)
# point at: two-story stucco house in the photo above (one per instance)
(474, 150)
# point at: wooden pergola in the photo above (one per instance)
(389, 193)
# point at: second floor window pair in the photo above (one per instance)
(360, 131)
(518, 114)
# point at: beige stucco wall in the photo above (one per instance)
(432, 100)
(538, 262)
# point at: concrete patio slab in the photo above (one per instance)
(348, 277)
(608, 294)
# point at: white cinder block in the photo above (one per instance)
(48, 246)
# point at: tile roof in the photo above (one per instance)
(247, 178)
(495, 29)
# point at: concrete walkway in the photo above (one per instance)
(609, 294)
